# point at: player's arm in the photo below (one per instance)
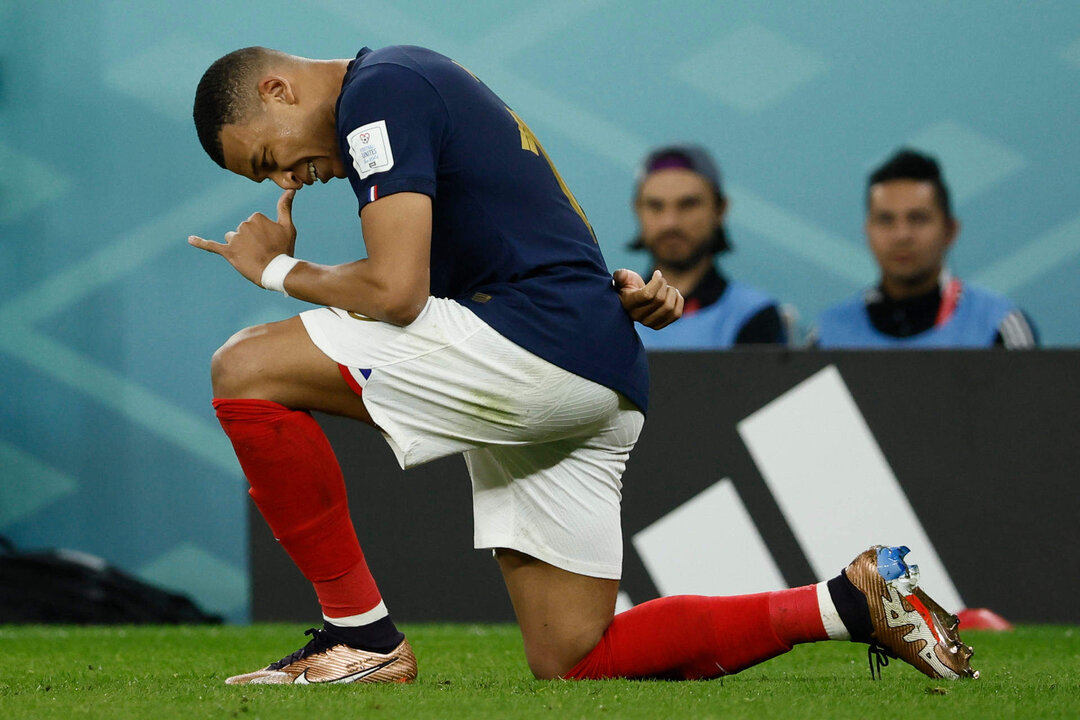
(654, 304)
(392, 284)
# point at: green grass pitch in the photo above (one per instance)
(479, 671)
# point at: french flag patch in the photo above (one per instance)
(373, 193)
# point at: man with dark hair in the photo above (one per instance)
(483, 322)
(917, 302)
(680, 207)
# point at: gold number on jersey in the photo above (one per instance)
(530, 143)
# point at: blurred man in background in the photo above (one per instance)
(680, 207)
(918, 303)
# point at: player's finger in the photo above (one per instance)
(204, 244)
(656, 281)
(680, 302)
(672, 310)
(639, 301)
(646, 311)
(661, 318)
(647, 294)
(284, 208)
(665, 310)
(656, 319)
(627, 280)
(634, 298)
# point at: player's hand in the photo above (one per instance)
(257, 240)
(655, 304)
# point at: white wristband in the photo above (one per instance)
(273, 276)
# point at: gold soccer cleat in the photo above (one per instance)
(907, 623)
(325, 660)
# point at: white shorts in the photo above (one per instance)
(545, 448)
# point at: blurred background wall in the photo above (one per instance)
(107, 318)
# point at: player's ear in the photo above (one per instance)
(276, 88)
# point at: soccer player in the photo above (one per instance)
(482, 321)
(918, 303)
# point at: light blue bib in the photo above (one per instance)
(714, 327)
(974, 323)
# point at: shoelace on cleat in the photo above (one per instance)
(878, 657)
(320, 641)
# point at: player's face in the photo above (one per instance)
(679, 214)
(283, 142)
(908, 233)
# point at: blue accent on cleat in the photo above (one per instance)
(890, 562)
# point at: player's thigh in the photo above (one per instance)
(558, 501)
(562, 615)
(449, 383)
(278, 362)
(552, 513)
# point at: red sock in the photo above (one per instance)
(693, 637)
(795, 615)
(297, 485)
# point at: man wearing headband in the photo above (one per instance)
(680, 207)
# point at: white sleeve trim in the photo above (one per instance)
(1016, 332)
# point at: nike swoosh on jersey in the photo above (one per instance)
(301, 679)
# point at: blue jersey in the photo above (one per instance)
(509, 241)
(715, 326)
(975, 323)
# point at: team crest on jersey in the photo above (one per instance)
(369, 147)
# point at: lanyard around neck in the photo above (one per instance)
(950, 295)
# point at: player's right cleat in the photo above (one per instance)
(906, 623)
(326, 660)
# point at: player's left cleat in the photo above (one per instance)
(325, 660)
(906, 622)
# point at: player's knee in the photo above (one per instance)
(234, 364)
(561, 653)
(555, 662)
(546, 668)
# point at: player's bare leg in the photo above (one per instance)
(569, 629)
(278, 362)
(265, 380)
(562, 615)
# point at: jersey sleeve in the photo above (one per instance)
(391, 126)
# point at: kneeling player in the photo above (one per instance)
(483, 321)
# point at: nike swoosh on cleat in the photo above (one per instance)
(301, 679)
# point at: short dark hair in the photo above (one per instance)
(909, 164)
(225, 95)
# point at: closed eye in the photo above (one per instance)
(261, 170)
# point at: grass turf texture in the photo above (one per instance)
(479, 671)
